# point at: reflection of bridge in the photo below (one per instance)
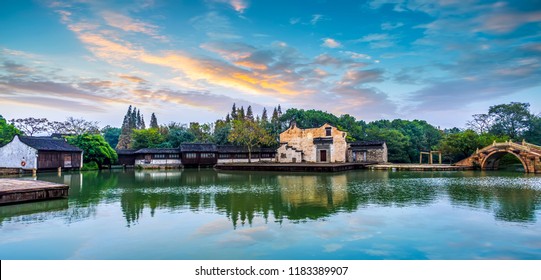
(489, 157)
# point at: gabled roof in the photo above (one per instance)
(125, 151)
(48, 144)
(158, 151)
(198, 147)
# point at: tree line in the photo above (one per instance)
(405, 138)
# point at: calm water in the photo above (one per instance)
(205, 214)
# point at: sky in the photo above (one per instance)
(441, 61)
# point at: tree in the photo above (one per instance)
(147, 138)
(177, 134)
(481, 123)
(249, 134)
(95, 149)
(7, 131)
(511, 119)
(460, 145)
(153, 121)
(79, 126)
(111, 135)
(202, 132)
(31, 126)
(397, 142)
(234, 112)
(264, 117)
(249, 113)
(124, 140)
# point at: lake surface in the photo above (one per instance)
(205, 214)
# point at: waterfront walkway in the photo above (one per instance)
(23, 190)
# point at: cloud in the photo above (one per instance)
(507, 21)
(356, 77)
(391, 26)
(317, 18)
(294, 21)
(238, 5)
(133, 79)
(215, 26)
(331, 43)
(377, 40)
(128, 24)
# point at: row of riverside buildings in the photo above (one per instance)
(325, 144)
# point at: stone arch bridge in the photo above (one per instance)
(488, 158)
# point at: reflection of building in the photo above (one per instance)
(40, 153)
(320, 144)
(313, 191)
(367, 151)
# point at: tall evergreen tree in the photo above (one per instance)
(153, 121)
(143, 125)
(240, 113)
(249, 113)
(227, 118)
(234, 112)
(264, 117)
(124, 140)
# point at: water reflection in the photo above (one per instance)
(296, 197)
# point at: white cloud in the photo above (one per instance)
(331, 43)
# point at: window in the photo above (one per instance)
(283, 155)
(241, 155)
(191, 155)
(159, 156)
(224, 155)
(328, 131)
(173, 155)
(207, 155)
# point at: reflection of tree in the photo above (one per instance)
(242, 196)
(510, 204)
(517, 205)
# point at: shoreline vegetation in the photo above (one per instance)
(405, 138)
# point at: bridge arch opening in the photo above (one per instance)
(492, 161)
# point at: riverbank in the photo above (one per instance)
(419, 167)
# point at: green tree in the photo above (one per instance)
(7, 131)
(460, 145)
(249, 134)
(153, 121)
(511, 119)
(397, 143)
(95, 149)
(111, 135)
(147, 138)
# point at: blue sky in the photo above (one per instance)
(440, 61)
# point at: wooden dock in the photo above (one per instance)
(292, 167)
(24, 190)
(419, 167)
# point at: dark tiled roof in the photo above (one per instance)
(368, 143)
(158, 151)
(232, 149)
(242, 149)
(125, 152)
(198, 147)
(48, 144)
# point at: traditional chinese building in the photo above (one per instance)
(367, 151)
(320, 144)
(41, 153)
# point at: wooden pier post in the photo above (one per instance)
(34, 172)
(59, 171)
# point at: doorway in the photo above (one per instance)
(323, 155)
